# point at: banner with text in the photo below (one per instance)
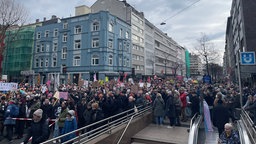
(8, 86)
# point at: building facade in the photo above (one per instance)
(196, 66)
(136, 19)
(81, 47)
(153, 52)
(241, 37)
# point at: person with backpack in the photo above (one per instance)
(39, 130)
(12, 111)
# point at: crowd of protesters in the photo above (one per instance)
(176, 100)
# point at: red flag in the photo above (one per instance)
(118, 80)
(125, 75)
(149, 79)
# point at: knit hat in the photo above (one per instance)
(71, 112)
(39, 112)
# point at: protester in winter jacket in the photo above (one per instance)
(170, 109)
(12, 111)
(220, 116)
(3, 107)
(183, 98)
(159, 109)
(62, 116)
(69, 126)
(39, 130)
(229, 136)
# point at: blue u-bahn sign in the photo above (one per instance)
(247, 58)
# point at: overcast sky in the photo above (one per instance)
(205, 16)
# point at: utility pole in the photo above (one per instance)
(239, 78)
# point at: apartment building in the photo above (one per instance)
(80, 47)
(241, 37)
(153, 51)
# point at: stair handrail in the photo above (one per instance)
(193, 132)
(243, 135)
(104, 128)
(125, 129)
(249, 126)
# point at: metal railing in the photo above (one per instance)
(248, 126)
(243, 135)
(125, 129)
(101, 127)
(194, 126)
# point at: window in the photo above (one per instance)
(127, 47)
(54, 62)
(110, 43)
(141, 67)
(55, 33)
(65, 25)
(127, 35)
(127, 62)
(55, 47)
(64, 53)
(124, 47)
(37, 48)
(120, 32)
(65, 37)
(120, 45)
(46, 62)
(76, 61)
(95, 26)
(41, 62)
(77, 44)
(110, 27)
(137, 67)
(124, 61)
(95, 60)
(141, 40)
(38, 35)
(134, 37)
(120, 61)
(95, 42)
(46, 34)
(47, 48)
(78, 29)
(110, 60)
(42, 47)
(36, 63)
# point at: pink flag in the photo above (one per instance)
(94, 77)
(63, 95)
(48, 83)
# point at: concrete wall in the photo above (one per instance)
(136, 125)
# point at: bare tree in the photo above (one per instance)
(216, 71)
(178, 65)
(206, 50)
(11, 14)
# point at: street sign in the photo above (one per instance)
(207, 79)
(247, 58)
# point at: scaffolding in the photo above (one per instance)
(18, 52)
